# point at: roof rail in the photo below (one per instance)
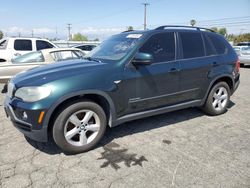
(183, 26)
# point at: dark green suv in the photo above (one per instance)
(129, 76)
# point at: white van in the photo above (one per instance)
(12, 47)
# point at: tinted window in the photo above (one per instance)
(86, 47)
(192, 44)
(218, 43)
(23, 45)
(161, 46)
(40, 45)
(210, 50)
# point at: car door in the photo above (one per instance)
(21, 46)
(195, 64)
(155, 85)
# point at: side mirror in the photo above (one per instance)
(142, 59)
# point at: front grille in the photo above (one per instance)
(22, 126)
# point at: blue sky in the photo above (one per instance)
(102, 18)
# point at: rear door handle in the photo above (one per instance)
(172, 70)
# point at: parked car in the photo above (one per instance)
(37, 58)
(244, 54)
(12, 47)
(243, 44)
(86, 48)
(131, 75)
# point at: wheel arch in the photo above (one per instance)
(99, 97)
(225, 78)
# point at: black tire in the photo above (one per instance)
(214, 110)
(64, 120)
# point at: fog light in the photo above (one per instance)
(24, 116)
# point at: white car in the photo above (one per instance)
(244, 54)
(12, 47)
(86, 48)
(37, 58)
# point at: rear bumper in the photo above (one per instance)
(26, 128)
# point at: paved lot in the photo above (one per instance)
(180, 149)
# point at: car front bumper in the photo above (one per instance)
(29, 127)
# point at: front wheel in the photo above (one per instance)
(79, 127)
(218, 99)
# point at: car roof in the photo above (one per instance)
(48, 50)
(30, 38)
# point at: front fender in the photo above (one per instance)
(76, 94)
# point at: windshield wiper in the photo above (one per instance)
(92, 59)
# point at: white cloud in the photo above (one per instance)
(16, 30)
(100, 31)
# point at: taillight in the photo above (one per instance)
(237, 67)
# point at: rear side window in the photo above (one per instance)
(210, 50)
(23, 45)
(218, 42)
(161, 46)
(192, 44)
(40, 45)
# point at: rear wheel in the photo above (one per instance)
(79, 127)
(218, 99)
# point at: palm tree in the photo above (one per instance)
(192, 22)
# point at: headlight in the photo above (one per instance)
(32, 94)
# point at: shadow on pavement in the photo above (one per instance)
(128, 129)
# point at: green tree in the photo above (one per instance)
(192, 22)
(222, 31)
(96, 39)
(130, 28)
(1, 34)
(215, 29)
(79, 37)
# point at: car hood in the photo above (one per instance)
(59, 70)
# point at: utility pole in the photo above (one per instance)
(69, 26)
(145, 15)
(32, 33)
(56, 33)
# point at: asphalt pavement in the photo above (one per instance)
(179, 149)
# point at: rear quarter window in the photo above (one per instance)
(219, 43)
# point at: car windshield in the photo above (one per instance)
(116, 47)
(32, 57)
(245, 48)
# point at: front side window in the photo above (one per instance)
(40, 45)
(161, 46)
(32, 57)
(192, 44)
(116, 47)
(23, 45)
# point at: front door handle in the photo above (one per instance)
(215, 64)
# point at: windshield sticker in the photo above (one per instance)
(134, 36)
